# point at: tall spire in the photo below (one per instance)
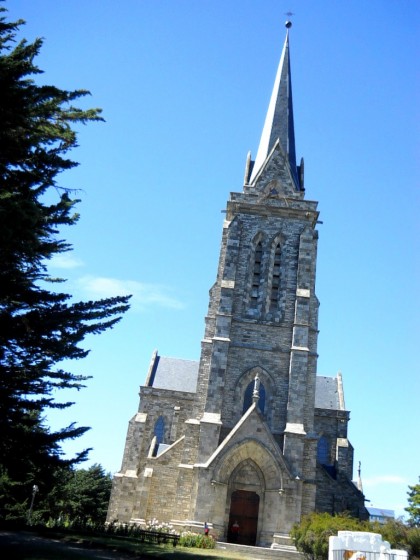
(279, 123)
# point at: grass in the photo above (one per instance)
(147, 550)
(51, 545)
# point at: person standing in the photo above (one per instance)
(235, 531)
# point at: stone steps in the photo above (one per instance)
(281, 552)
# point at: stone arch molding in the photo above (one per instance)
(278, 238)
(247, 475)
(259, 237)
(266, 379)
(249, 375)
(274, 474)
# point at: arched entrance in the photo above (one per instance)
(244, 506)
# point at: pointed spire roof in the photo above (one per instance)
(279, 123)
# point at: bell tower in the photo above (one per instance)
(263, 312)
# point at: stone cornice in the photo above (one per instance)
(307, 213)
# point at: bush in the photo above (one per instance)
(194, 540)
(393, 531)
(312, 534)
(413, 540)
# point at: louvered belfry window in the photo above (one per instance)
(275, 280)
(256, 276)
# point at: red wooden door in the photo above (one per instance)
(244, 507)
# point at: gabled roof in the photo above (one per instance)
(176, 374)
(249, 425)
(328, 393)
(274, 174)
(173, 374)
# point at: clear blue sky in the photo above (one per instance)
(184, 85)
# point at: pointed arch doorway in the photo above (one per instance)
(244, 507)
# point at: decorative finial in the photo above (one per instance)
(256, 391)
(288, 23)
(359, 478)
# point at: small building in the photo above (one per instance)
(380, 515)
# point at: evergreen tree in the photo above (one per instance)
(40, 328)
(413, 508)
(81, 494)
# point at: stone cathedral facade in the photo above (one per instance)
(249, 434)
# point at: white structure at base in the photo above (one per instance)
(359, 545)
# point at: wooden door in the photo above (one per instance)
(244, 507)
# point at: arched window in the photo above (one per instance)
(159, 430)
(248, 397)
(256, 275)
(275, 279)
(323, 451)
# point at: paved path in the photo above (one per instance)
(28, 546)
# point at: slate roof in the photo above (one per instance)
(379, 512)
(326, 394)
(174, 374)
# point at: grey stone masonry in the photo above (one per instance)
(248, 437)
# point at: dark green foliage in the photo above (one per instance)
(413, 508)
(396, 532)
(194, 540)
(81, 494)
(413, 541)
(40, 328)
(312, 534)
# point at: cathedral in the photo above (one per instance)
(249, 439)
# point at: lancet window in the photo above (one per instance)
(323, 451)
(159, 430)
(256, 275)
(275, 279)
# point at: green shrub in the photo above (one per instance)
(394, 531)
(311, 535)
(195, 540)
(413, 540)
